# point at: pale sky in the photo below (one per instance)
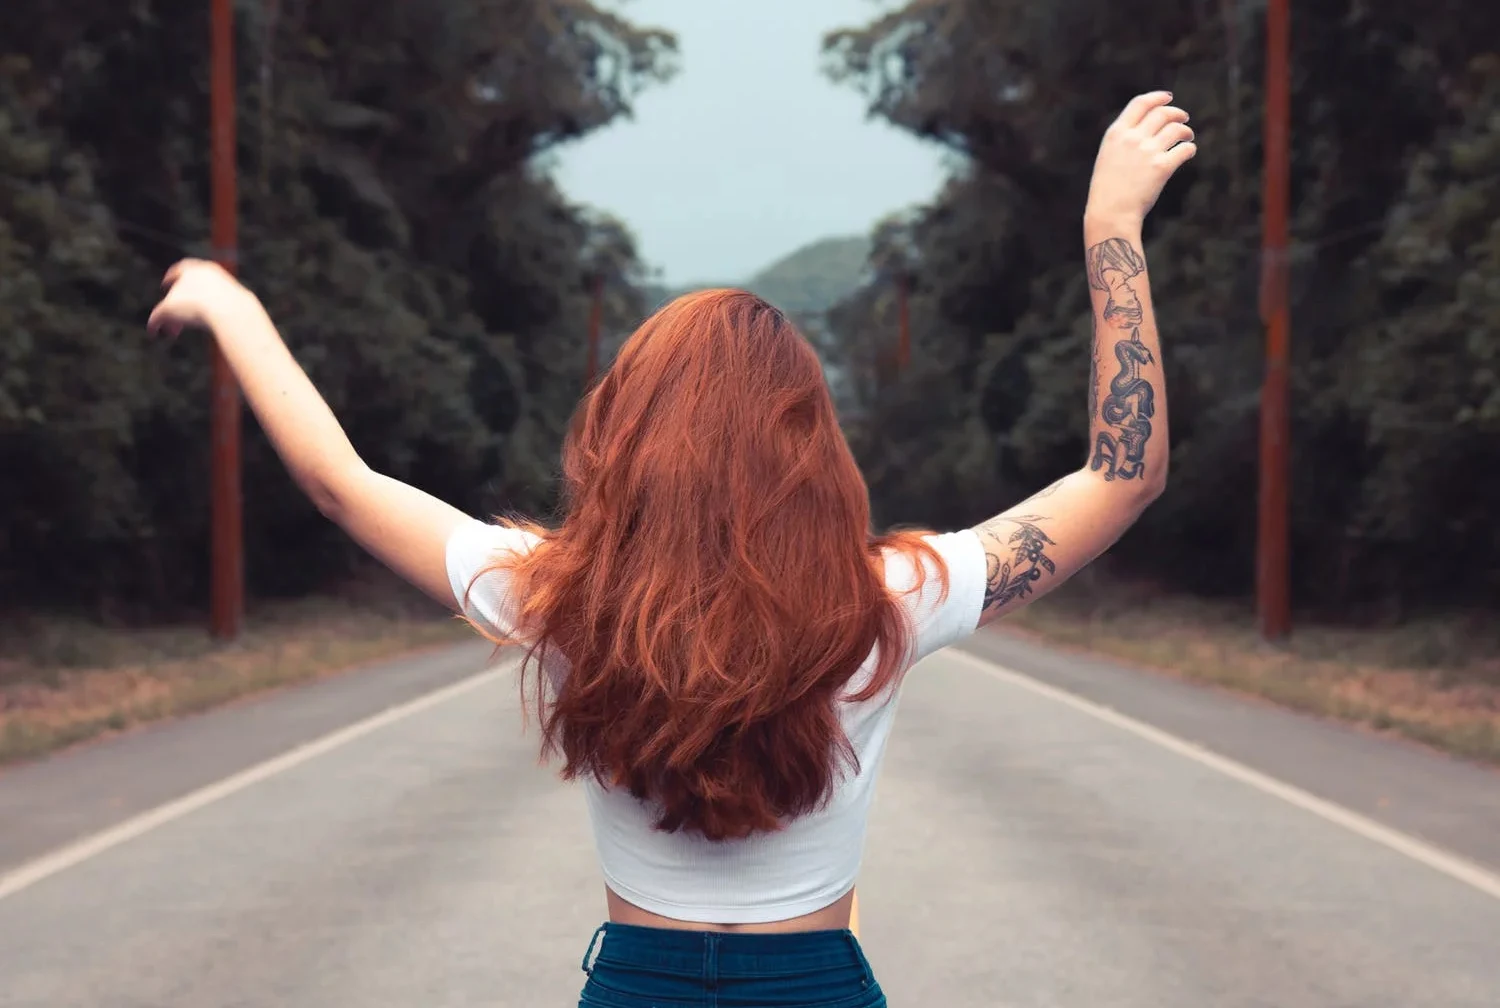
(749, 152)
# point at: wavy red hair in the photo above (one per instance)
(714, 584)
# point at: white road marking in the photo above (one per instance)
(76, 853)
(1423, 853)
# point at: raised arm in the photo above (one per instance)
(1041, 542)
(401, 526)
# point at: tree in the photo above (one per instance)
(428, 275)
(1393, 333)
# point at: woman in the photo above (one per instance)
(717, 640)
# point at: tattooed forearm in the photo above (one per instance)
(1015, 562)
(1049, 489)
(1119, 450)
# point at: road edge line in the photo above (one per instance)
(73, 854)
(1420, 851)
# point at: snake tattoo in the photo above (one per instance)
(1131, 402)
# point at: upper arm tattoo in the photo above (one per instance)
(1113, 265)
(1015, 562)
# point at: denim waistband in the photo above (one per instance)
(724, 954)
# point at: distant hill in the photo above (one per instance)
(815, 277)
(804, 284)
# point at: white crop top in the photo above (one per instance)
(814, 859)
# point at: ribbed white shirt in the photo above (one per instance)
(815, 859)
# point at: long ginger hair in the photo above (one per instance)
(714, 584)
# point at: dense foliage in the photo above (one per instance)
(1396, 260)
(429, 278)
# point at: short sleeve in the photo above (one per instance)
(485, 597)
(940, 620)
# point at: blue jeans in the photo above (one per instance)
(638, 967)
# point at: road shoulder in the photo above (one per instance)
(77, 792)
(1445, 801)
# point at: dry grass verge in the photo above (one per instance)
(64, 681)
(1436, 681)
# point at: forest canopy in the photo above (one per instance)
(1396, 281)
(435, 283)
(432, 281)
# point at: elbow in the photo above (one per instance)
(1141, 487)
(1152, 486)
(1131, 494)
(330, 493)
(328, 503)
(324, 496)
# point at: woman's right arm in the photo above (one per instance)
(1041, 542)
(405, 528)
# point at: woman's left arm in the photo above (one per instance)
(403, 527)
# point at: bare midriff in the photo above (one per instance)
(834, 917)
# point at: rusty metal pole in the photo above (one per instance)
(227, 563)
(1273, 568)
(596, 316)
(903, 309)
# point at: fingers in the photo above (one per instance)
(1181, 154)
(158, 323)
(1160, 117)
(161, 322)
(1140, 105)
(175, 273)
(1174, 133)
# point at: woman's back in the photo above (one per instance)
(812, 860)
(712, 586)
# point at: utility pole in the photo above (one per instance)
(227, 560)
(596, 316)
(1273, 568)
(903, 311)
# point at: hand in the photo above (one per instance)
(197, 294)
(1141, 150)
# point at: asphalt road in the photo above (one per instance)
(1030, 847)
